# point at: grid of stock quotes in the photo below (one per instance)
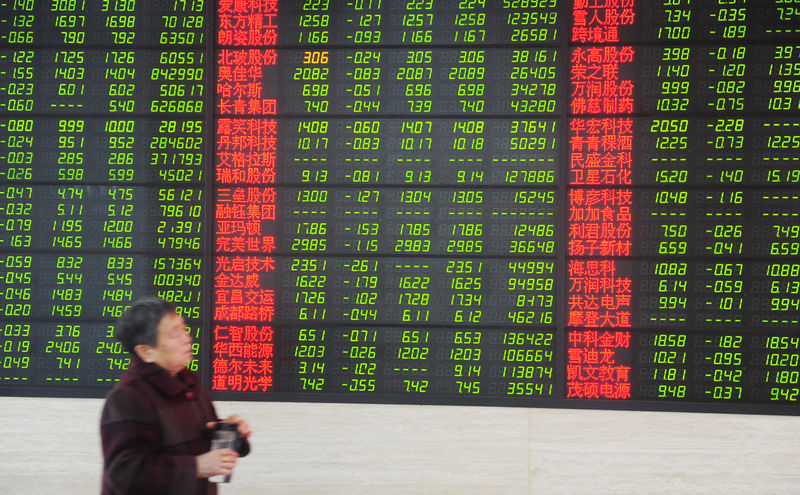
(570, 203)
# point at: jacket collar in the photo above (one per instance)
(182, 384)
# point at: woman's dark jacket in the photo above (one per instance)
(152, 427)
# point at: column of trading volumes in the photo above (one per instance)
(102, 156)
(600, 203)
(525, 154)
(245, 211)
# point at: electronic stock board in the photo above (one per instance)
(588, 203)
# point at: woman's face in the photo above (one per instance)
(173, 350)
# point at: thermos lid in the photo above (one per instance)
(226, 426)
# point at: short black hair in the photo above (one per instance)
(139, 324)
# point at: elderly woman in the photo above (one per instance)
(157, 422)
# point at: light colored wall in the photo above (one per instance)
(52, 446)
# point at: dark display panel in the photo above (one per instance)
(571, 204)
(103, 145)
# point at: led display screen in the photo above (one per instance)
(517, 202)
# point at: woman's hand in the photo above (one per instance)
(215, 462)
